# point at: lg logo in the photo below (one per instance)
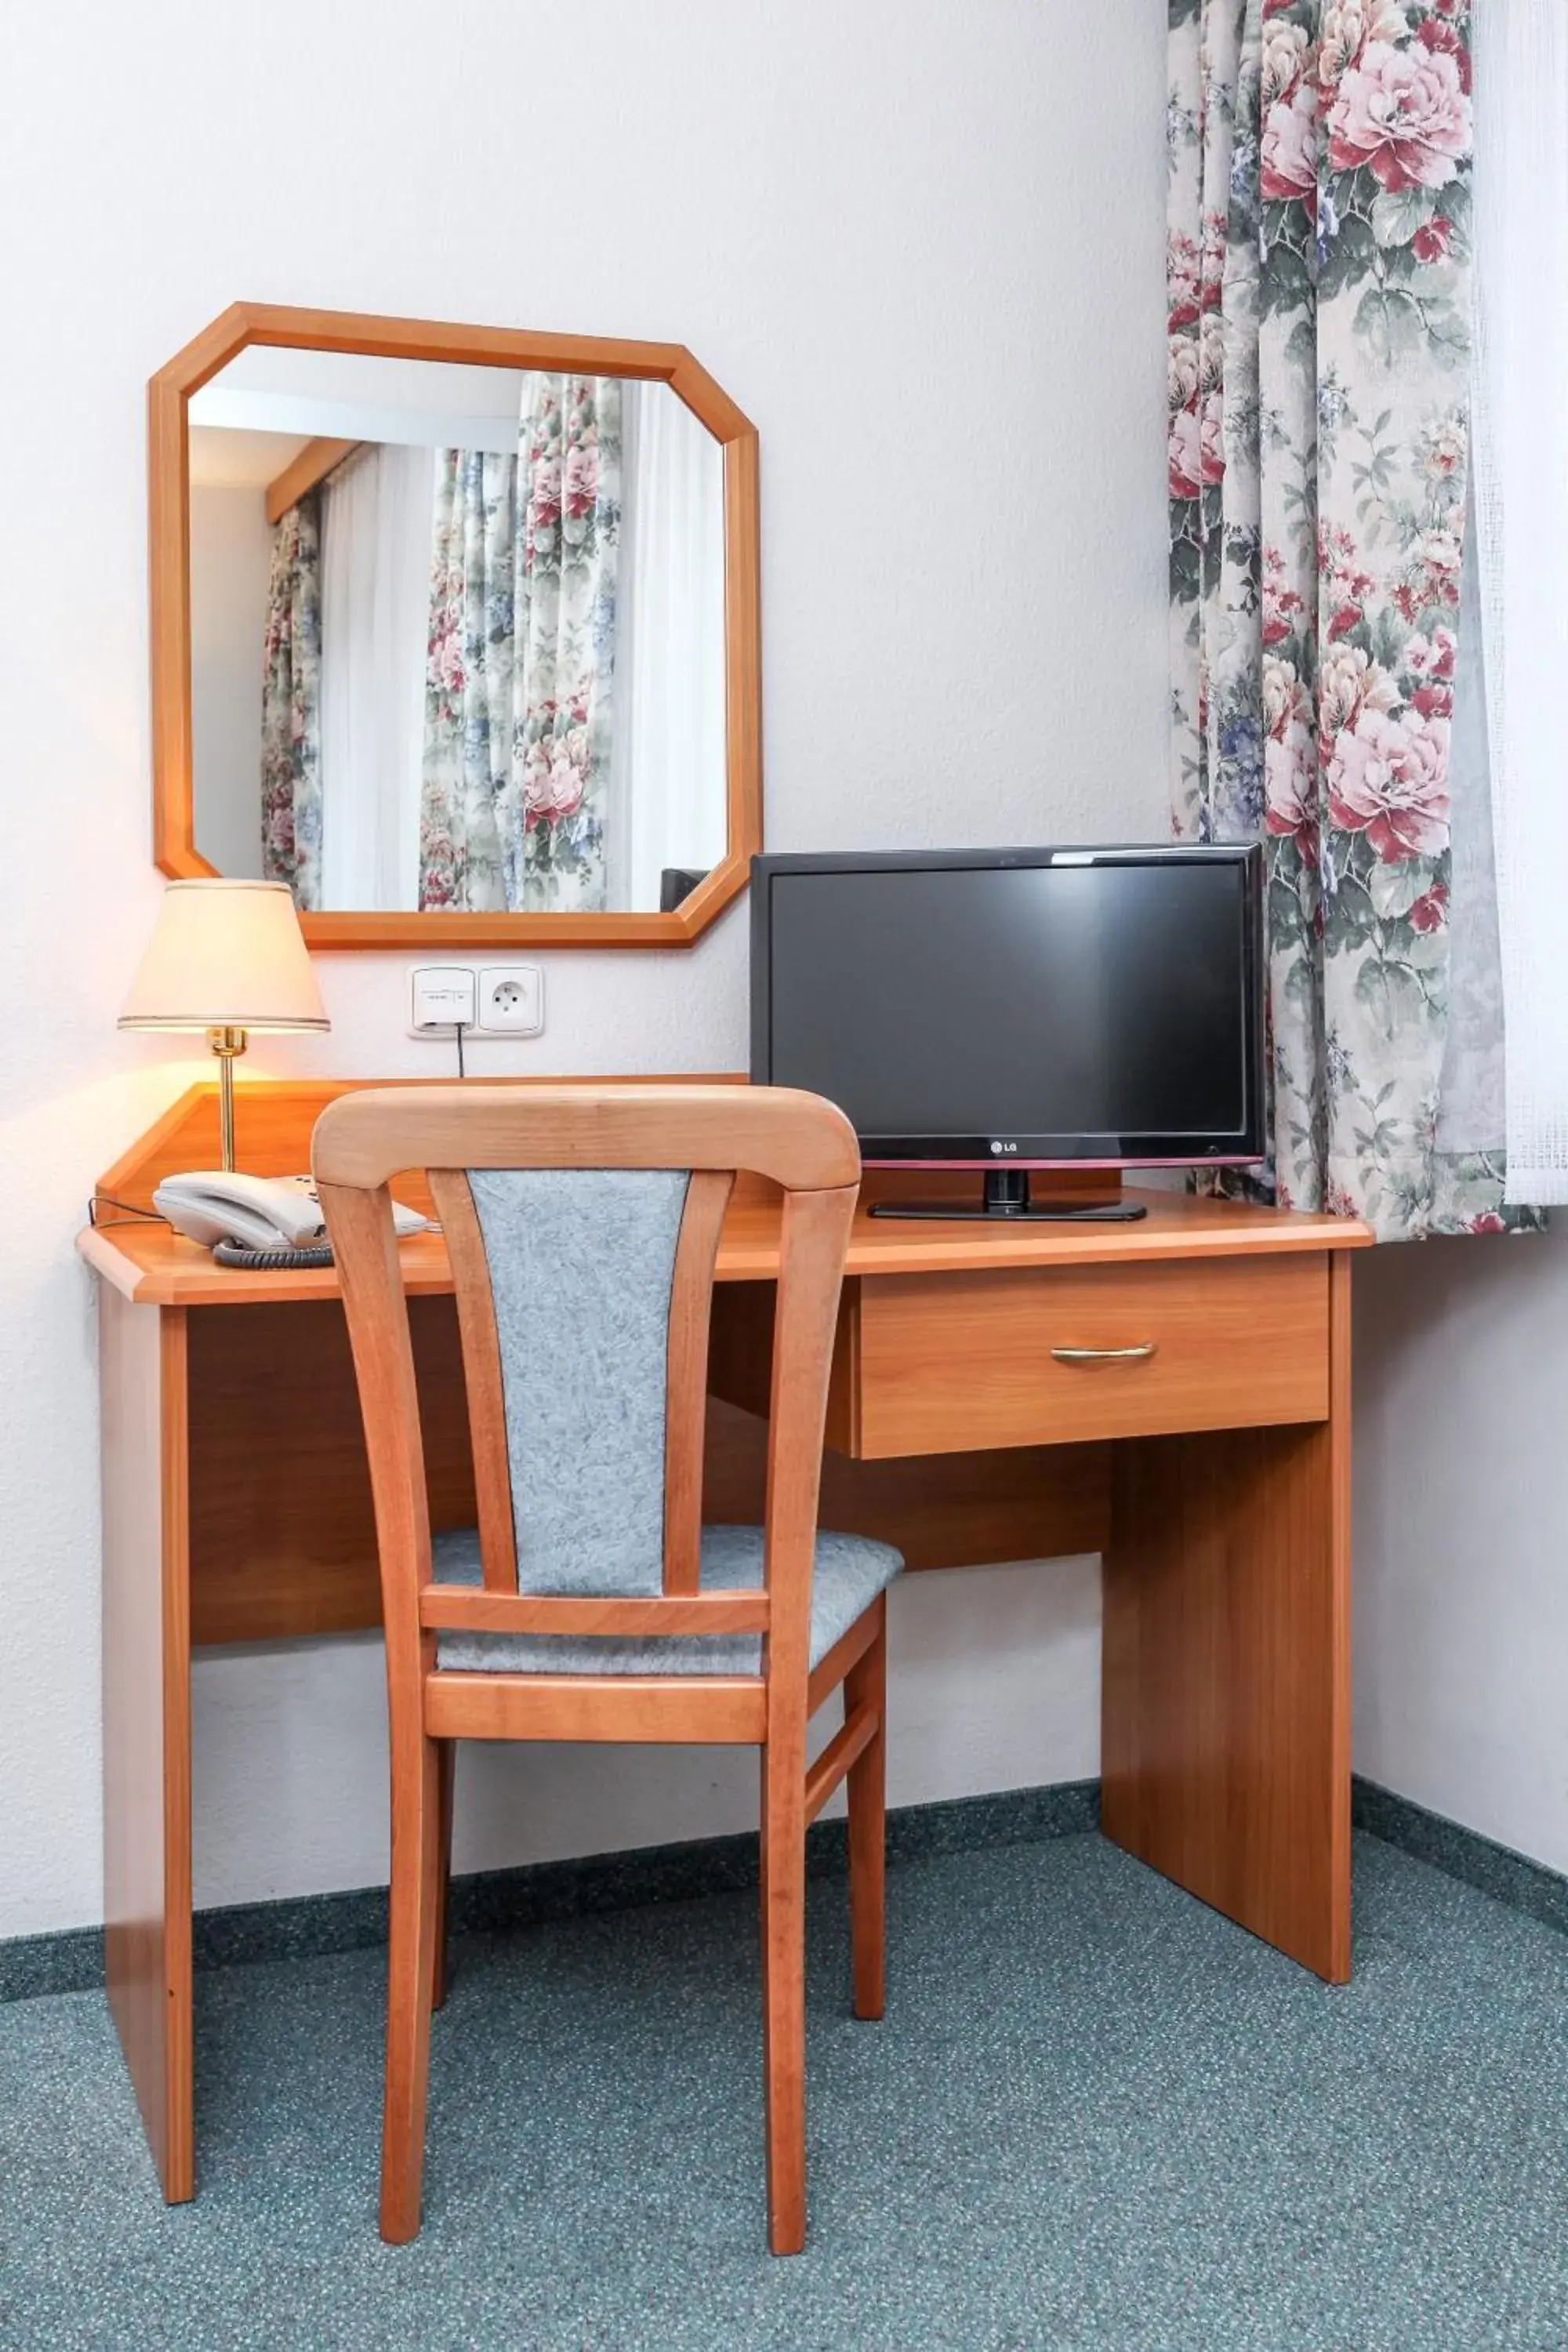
(1000, 1148)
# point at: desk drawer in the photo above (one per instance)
(947, 1363)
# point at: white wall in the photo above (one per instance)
(1461, 1487)
(922, 245)
(231, 561)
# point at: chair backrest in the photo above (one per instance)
(582, 1224)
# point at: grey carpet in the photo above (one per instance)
(1095, 2116)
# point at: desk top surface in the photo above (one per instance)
(154, 1266)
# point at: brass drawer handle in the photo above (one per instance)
(1138, 1355)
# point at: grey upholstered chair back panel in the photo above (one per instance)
(580, 1264)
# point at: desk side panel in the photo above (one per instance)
(146, 1720)
(1227, 1700)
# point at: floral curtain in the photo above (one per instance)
(291, 705)
(519, 702)
(1319, 340)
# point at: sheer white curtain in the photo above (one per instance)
(1520, 478)
(1470, 1096)
(376, 523)
(668, 804)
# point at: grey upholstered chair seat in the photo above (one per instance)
(850, 1573)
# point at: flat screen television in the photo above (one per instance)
(1010, 1010)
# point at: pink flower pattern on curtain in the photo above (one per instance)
(520, 675)
(291, 705)
(1318, 340)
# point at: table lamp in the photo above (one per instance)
(225, 957)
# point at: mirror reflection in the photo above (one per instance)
(457, 635)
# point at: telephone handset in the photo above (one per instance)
(257, 1212)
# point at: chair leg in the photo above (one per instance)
(784, 1991)
(446, 1768)
(411, 1960)
(866, 1685)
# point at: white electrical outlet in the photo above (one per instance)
(510, 1001)
(441, 998)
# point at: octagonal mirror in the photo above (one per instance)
(455, 630)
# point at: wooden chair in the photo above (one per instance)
(589, 1603)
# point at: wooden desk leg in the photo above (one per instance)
(1226, 1698)
(147, 1719)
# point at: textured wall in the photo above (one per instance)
(921, 245)
(1462, 1475)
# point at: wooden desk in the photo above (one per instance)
(1213, 1475)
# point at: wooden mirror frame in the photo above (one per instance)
(174, 813)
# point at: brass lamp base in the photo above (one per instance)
(227, 1044)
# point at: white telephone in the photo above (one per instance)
(260, 1212)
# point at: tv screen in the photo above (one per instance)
(1044, 1004)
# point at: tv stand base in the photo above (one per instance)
(1007, 1198)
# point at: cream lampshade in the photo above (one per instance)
(225, 957)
